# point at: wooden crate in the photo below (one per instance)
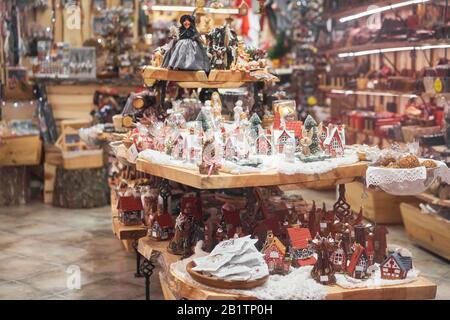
(378, 206)
(87, 159)
(429, 231)
(410, 133)
(20, 150)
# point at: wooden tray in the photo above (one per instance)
(223, 284)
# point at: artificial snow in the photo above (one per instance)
(375, 280)
(268, 163)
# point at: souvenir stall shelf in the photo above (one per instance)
(174, 286)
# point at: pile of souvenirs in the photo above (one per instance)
(281, 225)
(209, 139)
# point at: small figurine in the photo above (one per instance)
(162, 227)
(238, 110)
(323, 270)
(187, 52)
(157, 58)
(359, 262)
(216, 106)
(274, 255)
(306, 141)
(210, 159)
(300, 240)
(130, 210)
(395, 266)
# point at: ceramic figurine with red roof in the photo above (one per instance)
(323, 270)
(274, 254)
(333, 144)
(302, 253)
(357, 267)
(396, 265)
(130, 210)
(162, 227)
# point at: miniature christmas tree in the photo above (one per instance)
(311, 124)
(255, 122)
(204, 120)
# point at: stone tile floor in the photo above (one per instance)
(40, 244)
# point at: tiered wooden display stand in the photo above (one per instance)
(175, 287)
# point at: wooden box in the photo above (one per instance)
(427, 230)
(20, 150)
(86, 159)
(378, 206)
(410, 133)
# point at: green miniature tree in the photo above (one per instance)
(311, 124)
(204, 120)
(255, 122)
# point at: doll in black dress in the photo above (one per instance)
(187, 52)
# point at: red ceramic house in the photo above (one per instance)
(162, 228)
(395, 266)
(333, 144)
(300, 239)
(359, 263)
(130, 210)
(274, 255)
(339, 258)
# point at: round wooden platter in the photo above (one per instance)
(223, 284)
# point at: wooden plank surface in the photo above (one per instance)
(128, 232)
(427, 230)
(420, 289)
(224, 180)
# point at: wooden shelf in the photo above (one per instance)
(431, 199)
(384, 45)
(199, 79)
(368, 92)
(128, 232)
(339, 175)
(146, 246)
(355, 10)
(420, 289)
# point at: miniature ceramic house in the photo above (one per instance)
(162, 228)
(263, 145)
(282, 138)
(395, 266)
(302, 253)
(323, 270)
(296, 127)
(359, 262)
(274, 255)
(339, 258)
(130, 210)
(230, 149)
(333, 144)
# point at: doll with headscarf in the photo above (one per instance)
(187, 52)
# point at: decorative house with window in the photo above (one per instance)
(178, 148)
(162, 228)
(339, 257)
(296, 127)
(357, 268)
(282, 138)
(333, 144)
(263, 145)
(230, 149)
(274, 255)
(301, 250)
(370, 251)
(131, 211)
(323, 133)
(395, 266)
